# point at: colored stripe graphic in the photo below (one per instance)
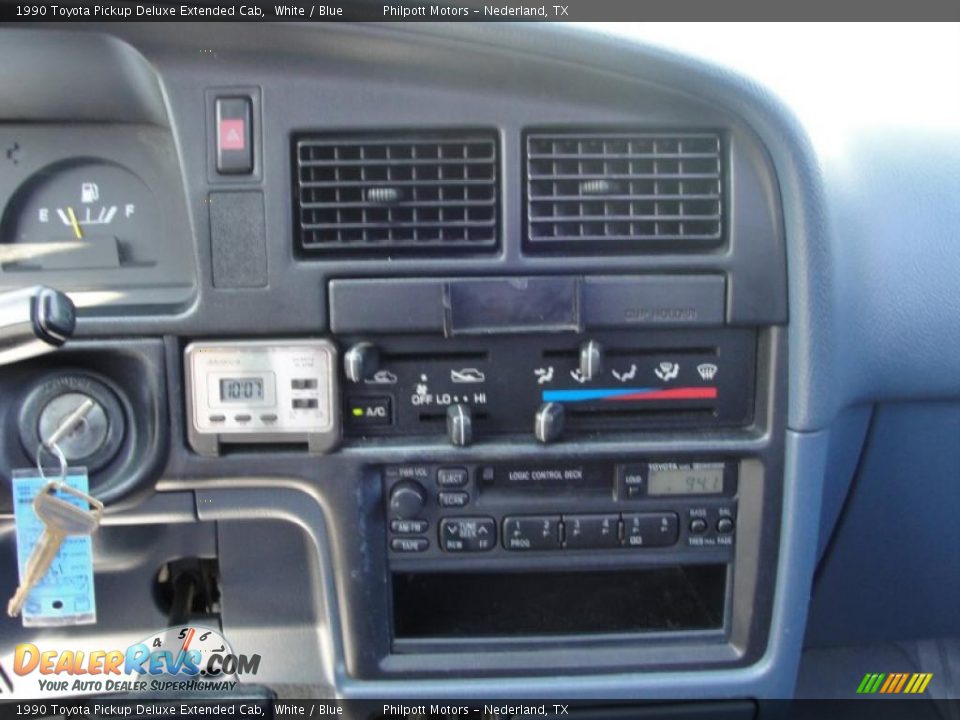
(918, 683)
(903, 681)
(630, 394)
(894, 683)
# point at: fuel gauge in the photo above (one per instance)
(99, 215)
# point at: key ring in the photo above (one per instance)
(54, 450)
(65, 427)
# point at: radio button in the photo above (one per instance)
(468, 534)
(451, 477)
(533, 532)
(409, 527)
(650, 529)
(585, 532)
(453, 499)
(407, 499)
(409, 545)
(698, 526)
(632, 481)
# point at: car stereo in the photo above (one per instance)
(639, 545)
(497, 510)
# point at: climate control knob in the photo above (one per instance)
(548, 422)
(407, 499)
(460, 425)
(591, 359)
(361, 361)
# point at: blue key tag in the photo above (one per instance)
(65, 595)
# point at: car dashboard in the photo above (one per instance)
(442, 359)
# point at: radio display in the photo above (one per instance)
(239, 390)
(685, 481)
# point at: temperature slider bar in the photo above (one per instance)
(630, 394)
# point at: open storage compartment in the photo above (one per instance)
(674, 598)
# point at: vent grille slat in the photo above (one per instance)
(377, 194)
(623, 190)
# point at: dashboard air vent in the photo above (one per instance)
(623, 190)
(380, 194)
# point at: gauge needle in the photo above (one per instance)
(74, 224)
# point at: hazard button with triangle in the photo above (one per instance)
(234, 146)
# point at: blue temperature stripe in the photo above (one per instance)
(598, 394)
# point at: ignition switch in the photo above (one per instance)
(96, 439)
(87, 437)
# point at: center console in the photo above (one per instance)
(557, 461)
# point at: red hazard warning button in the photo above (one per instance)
(233, 134)
(234, 147)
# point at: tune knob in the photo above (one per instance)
(548, 422)
(407, 499)
(460, 425)
(361, 361)
(591, 359)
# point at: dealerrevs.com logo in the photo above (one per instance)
(175, 659)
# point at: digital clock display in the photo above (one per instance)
(240, 390)
(685, 481)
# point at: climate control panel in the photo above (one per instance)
(547, 387)
(684, 508)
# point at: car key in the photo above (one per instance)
(61, 519)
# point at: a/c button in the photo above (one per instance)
(367, 411)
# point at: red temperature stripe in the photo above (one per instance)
(689, 393)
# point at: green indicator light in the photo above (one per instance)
(358, 412)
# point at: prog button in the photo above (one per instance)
(532, 532)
